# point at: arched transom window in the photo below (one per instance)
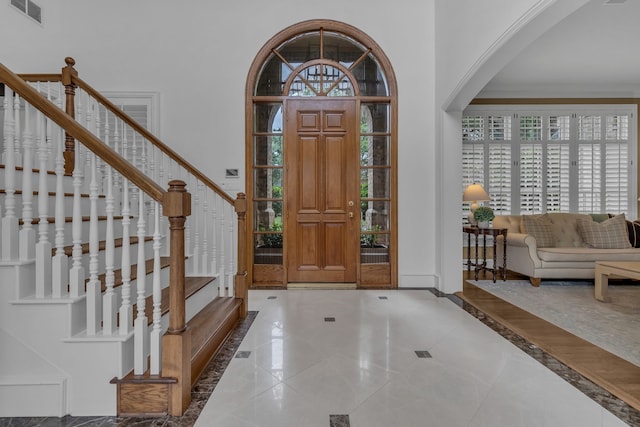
(321, 63)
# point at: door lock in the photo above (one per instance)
(351, 203)
(350, 214)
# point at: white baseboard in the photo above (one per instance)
(417, 281)
(35, 397)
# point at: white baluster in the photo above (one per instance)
(156, 333)
(222, 276)
(232, 255)
(160, 167)
(126, 309)
(76, 275)
(94, 287)
(92, 119)
(141, 340)
(27, 233)
(134, 161)
(151, 171)
(205, 241)
(60, 268)
(188, 250)
(43, 248)
(195, 214)
(214, 239)
(115, 178)
(10, 247)
(144, 166)
(110, 306)
(16, 137)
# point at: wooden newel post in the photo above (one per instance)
(240, 281)
(176, 343)
(68, 75)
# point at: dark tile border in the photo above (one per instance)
(199, 395)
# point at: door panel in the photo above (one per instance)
(322, 221)
(307, 191)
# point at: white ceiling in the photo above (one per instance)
(595, 52)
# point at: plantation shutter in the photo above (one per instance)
(499, 177)
(569, 159)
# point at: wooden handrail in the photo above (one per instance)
(89, 140)
(41, 77)
(152, 138)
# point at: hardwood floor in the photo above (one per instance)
(606, 370)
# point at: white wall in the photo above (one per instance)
(474, 40)
(197, 54)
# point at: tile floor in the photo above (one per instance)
(412, 359)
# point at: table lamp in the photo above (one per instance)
(474, 193)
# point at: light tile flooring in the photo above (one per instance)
(363, 370)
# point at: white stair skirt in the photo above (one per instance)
(29, 385)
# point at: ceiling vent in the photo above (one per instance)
(29, 8)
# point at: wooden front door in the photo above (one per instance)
(322, 204)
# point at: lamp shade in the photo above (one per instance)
(475, 193)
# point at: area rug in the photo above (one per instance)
(570, 305)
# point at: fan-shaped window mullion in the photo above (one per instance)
(310, 79)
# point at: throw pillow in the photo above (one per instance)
(609, 234)
(539, 227)
(633, 229)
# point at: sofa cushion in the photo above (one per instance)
(552, 255)
(609, 234)
(539, 227)
(565, 229)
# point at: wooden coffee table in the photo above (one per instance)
(622, 269)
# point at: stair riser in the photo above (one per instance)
(85, 204)
(164, 282)
(51, 179)
(86, 225)
(133, 257)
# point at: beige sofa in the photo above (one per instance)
(568, 258)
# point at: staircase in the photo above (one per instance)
(122, 267)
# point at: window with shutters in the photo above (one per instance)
(552, 158)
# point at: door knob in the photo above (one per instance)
(350, 214)
(350, 202)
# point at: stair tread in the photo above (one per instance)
(213, 314)
(53, 193)
(164, 262)
(52, 220)
(33, 170)
(68, 250)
